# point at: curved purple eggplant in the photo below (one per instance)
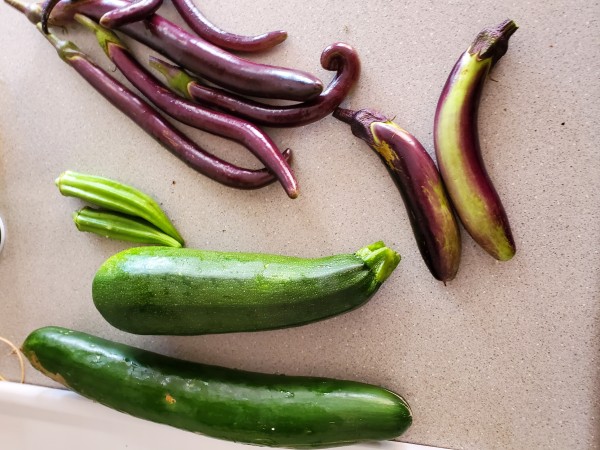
(149, 119)
(418, 180)
(337, 56)
(195, 54)
(134, 12)
(457, 144)
(238, 130)
(228, 41)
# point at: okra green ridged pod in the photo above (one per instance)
(183, 291)
(121, 227)
(457, 144)
(247, 407)
(115, 196)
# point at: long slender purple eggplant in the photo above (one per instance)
(196, 54)
(134, 12)
(338, 56)
(220, 124)
(457, 144)
(228, 41)
(418, 180)
(147, 118)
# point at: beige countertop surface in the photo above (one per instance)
(504, 356)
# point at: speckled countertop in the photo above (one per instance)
(505, 356)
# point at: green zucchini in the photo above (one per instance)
(253, 408)
(180, 291)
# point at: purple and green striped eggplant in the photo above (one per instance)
(414, 172)
(457, 144)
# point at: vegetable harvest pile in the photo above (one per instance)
(162, 288)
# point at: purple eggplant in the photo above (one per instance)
(194, 53)
(457, 144)
(338, 56)
(414, 172)
(141, 9)
(134, 12)
(147, 118)
(220, 124)
(216, 36)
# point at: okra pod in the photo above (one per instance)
(338, 56)
(195, 54)
(121, 227)
(414, 172)
(457, 144)
(233, 128)
(116, 196)
(216, 36)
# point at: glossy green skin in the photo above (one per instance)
(159, 290)
(254, 408)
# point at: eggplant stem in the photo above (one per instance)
(19, 6)
(32, 11)
(345, 115)
(47, 8)
(492, 42)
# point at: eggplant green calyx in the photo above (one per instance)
(176, 78)
(103, 35)
(360, 122)
(67, 50)
(380, 259)
(492, 42)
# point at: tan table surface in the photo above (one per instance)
(505, 356)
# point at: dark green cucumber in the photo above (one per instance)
(178, 291)
(254, 408)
